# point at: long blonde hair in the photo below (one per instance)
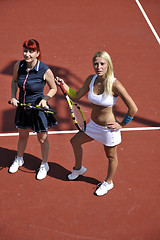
(109, 78)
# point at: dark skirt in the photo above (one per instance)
(36, 120)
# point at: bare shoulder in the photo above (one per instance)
(16, 66)
(119, 90)
(89, 78)
(48, 74)
(118, 87)
(117, 83)
(85, 88)
(49, 71)
(15, 71)
(87, 82)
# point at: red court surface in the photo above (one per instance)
(70, 32)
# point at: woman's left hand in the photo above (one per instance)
(114, 126)
(43, 103)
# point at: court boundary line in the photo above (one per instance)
(148, 21)
(75, 131)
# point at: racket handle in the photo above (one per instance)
(62, 88)
(9, 102)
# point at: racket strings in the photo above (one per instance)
(78, 116)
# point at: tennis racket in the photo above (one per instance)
(76, 112)
(37, 107)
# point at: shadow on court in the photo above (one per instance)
(59, 172)
(32, 163)
(7, 157)
(59, 104)
(137, 119)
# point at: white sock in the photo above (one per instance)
(19, 158)
(43, 164)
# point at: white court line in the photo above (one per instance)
(75, 131)
(148, 21)
(32, 134)
(140, 129)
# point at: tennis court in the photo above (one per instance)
(70, 32)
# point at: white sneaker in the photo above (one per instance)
(103, 188)
(18, 162)
(42, 173)
(75, 173)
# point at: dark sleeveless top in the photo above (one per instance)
(31, 85)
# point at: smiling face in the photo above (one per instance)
(30, 55)
(100, 66)
(31, 52)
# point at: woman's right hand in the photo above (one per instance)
(14, 102)
(59, 80)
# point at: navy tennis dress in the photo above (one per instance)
(31, 86)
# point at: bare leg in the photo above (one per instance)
(21, 146)
(111, 153)
(77, 141)
(43, 139)
(22, 141)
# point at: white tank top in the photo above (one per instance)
(101, 99)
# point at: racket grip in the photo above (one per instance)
(62, 88)
(9, 102)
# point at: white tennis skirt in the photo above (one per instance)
(103, 134)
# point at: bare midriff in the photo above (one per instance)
(102, 115)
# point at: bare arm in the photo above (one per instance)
(49, 77)
(82, 91)
(14, 85)
(120, 91)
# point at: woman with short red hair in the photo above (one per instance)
(30, 75)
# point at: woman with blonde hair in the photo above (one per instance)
(103, 89)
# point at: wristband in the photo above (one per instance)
(127, 119)
(71, 93)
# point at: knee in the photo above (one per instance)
(113, 159)
(72, 140)
(79, 139)
(75, 142)
(42, 138)
(23, 136)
